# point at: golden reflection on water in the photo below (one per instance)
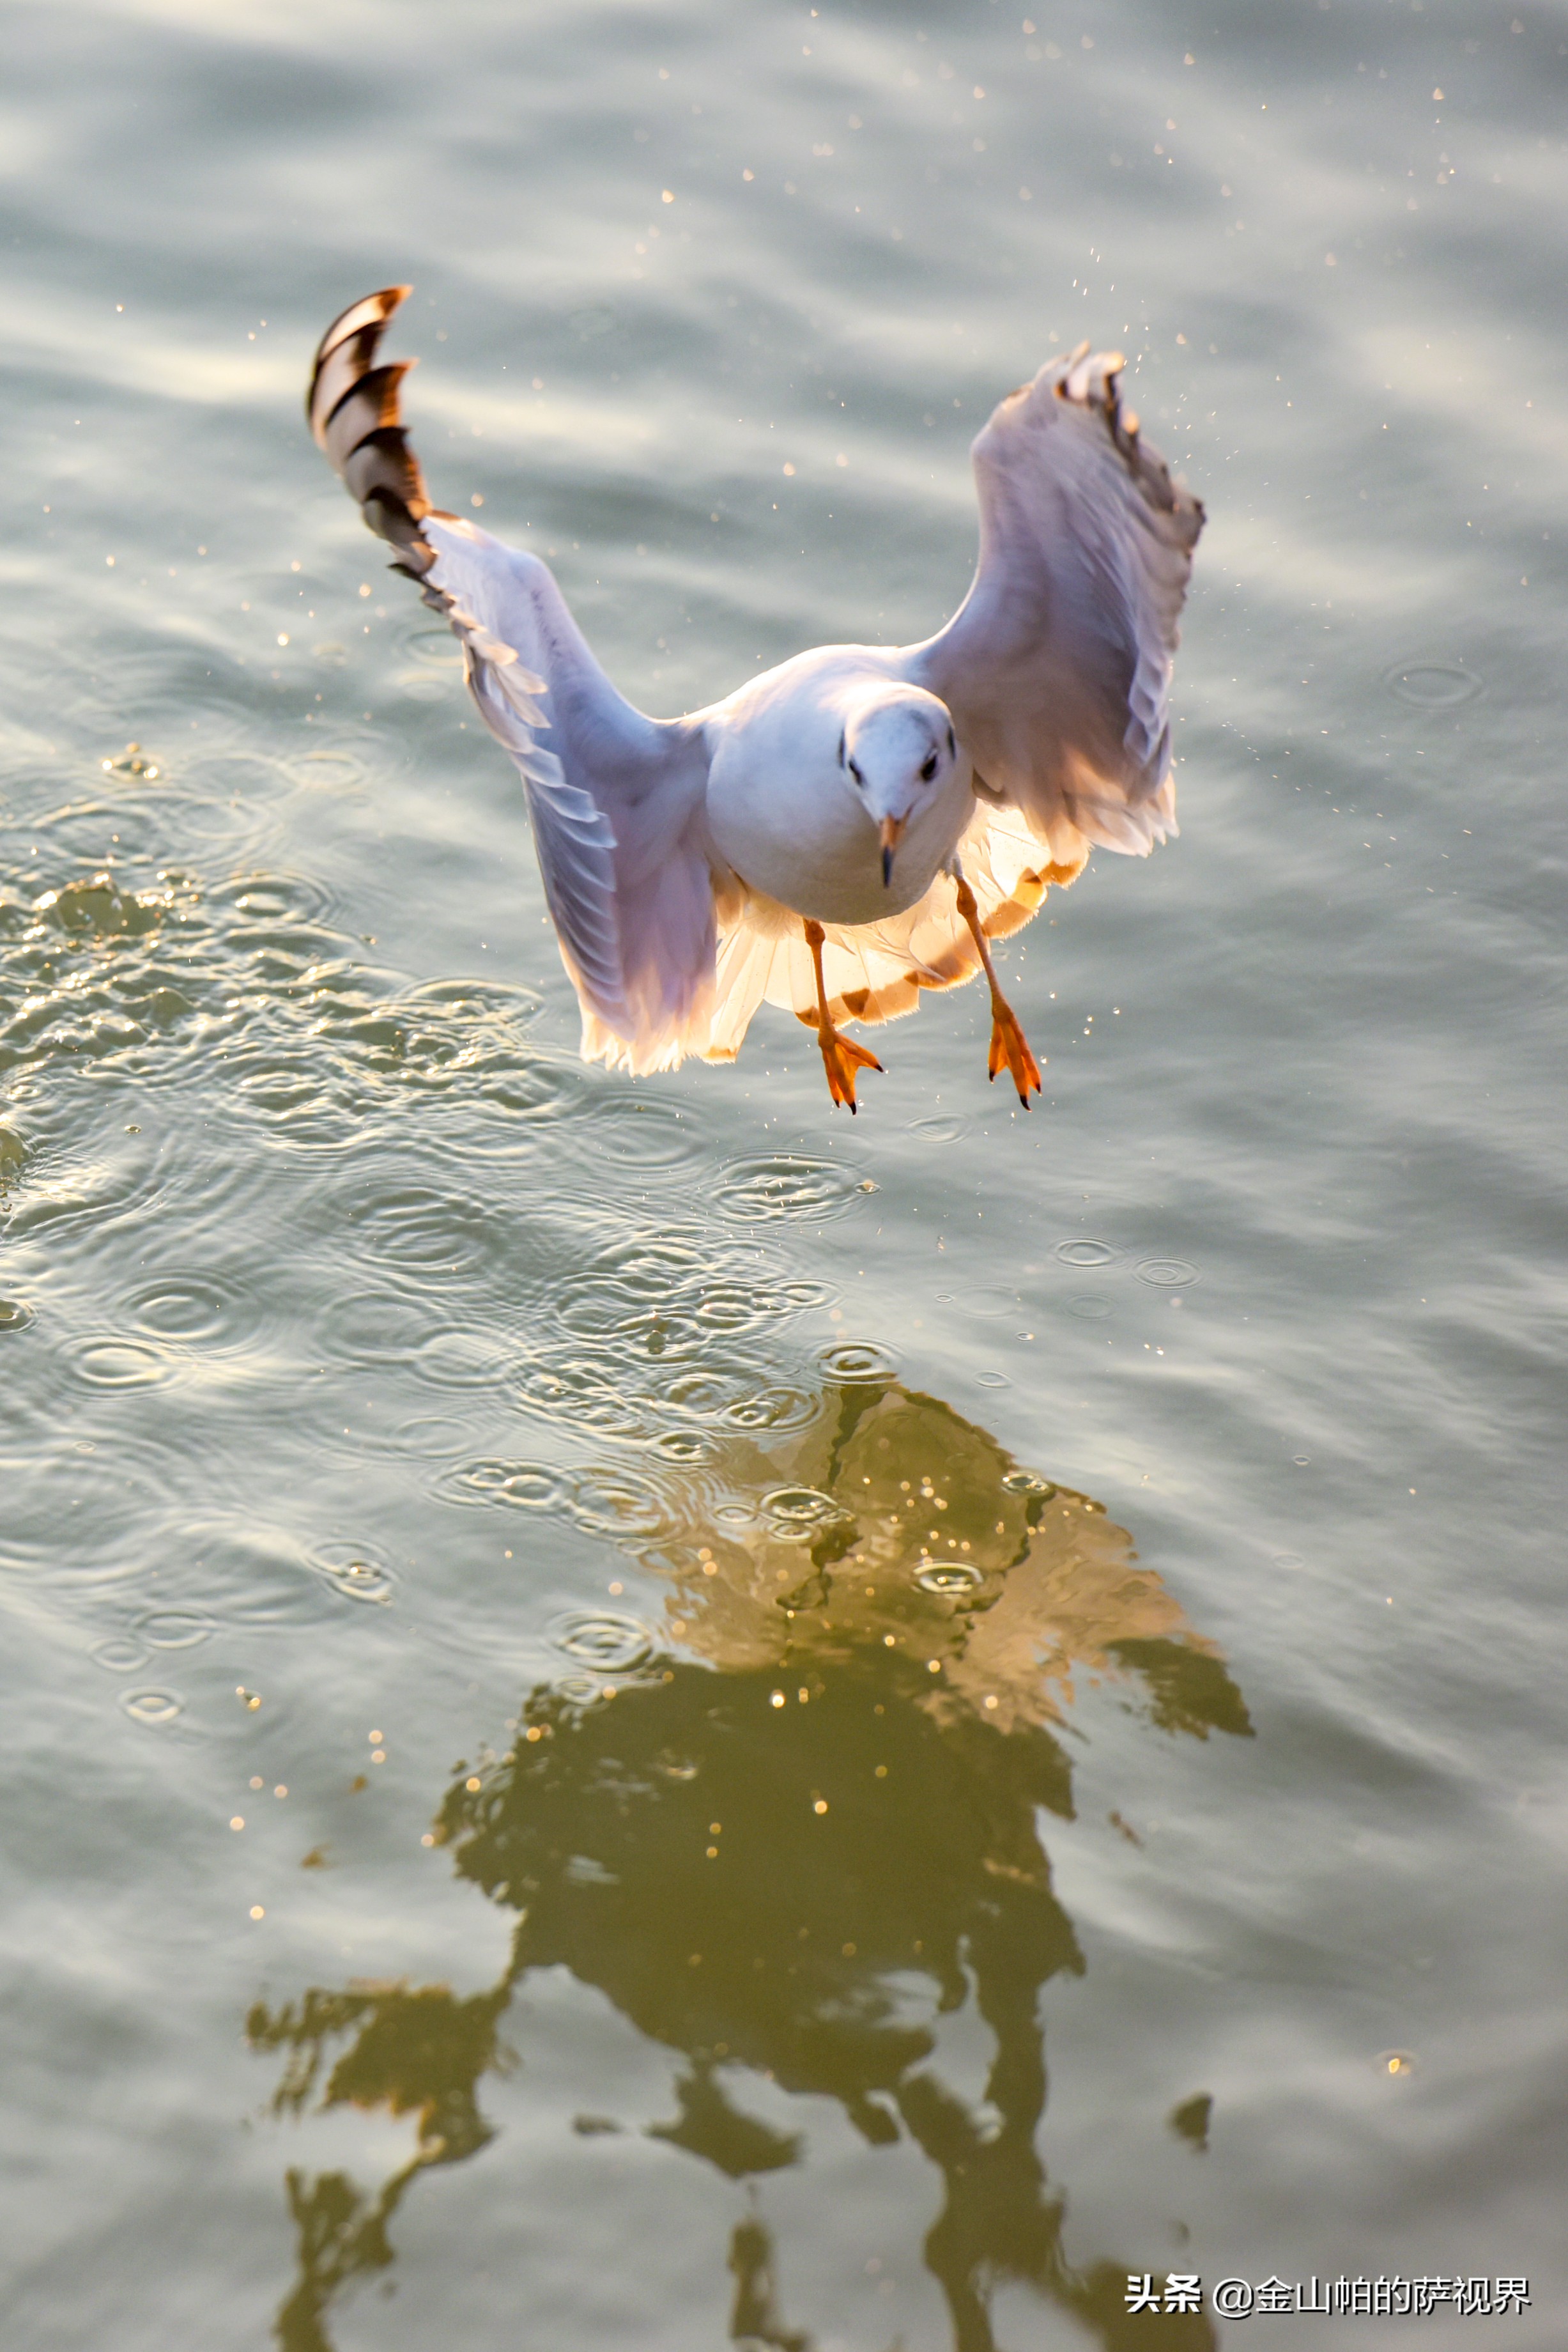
(780, 1839)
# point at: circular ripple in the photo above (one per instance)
(1166, 1272)
(375, 1327)
(705, 1391)
(174, 1629)
(425, 1230)
(726, 1307)
(151, 1706)
(993, 1379)
(461, 1360)
(197, 1309)
(689, 1447)
(1087, 1252)
(799, 1512)
(939, 1130)
(119, 1656)
(14, 1315)
(1432, 685)
(858, 1362)
(120, 1363)
(88, 827)
(1089, 1308)
(1029, 1482)
(350, 1568)
(609, 1503)
(582, 1393)
(272, 897)
(637, 1134)
(952, 1577)
(525, 1486)
(774, 1409)
(612, 1644)
(578, 1690)
(237, 774)
(430, 1434)
(327, 771)
(770, 1191)
(435, 647)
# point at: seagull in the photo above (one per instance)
(861, 822)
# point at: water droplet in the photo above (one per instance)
(15, 1315)
(1166, 1272)
(1397, 2063)
(132, 762)
(152, 1706)
(795, 1513)
(1027, 1482)
(353, 1569)
(1087, 1252)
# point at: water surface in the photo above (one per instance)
(635, 1715)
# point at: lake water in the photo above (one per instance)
(634, 1714)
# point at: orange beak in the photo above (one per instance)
(892, 834)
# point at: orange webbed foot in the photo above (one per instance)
(1009, 1046)
(841, 1057)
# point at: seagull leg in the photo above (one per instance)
(1008, 1043)
(841, 1057)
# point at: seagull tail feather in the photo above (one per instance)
(354, 410)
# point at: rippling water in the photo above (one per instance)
(598, 1675)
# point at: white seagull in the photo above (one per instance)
(858, 824)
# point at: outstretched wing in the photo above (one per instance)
(616, 799)
(1057, 667)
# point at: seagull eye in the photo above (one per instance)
(929, 770)
(856, 774)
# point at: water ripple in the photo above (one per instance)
(758, 1192)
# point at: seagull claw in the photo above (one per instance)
(1009, 1045)
(841, 1057)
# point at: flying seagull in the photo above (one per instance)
(859, 824)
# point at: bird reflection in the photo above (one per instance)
(798, 1827)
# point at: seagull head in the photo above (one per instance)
(897, 751)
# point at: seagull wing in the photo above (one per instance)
(616, 799)
(1057, 667)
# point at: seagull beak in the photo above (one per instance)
(892, 834)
